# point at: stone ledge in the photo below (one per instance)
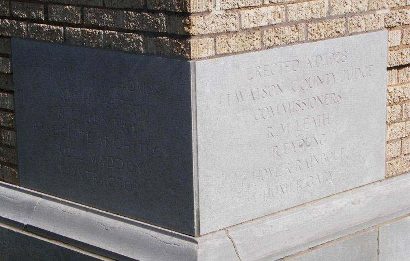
(273, 236)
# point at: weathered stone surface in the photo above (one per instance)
(106, 129)
(394, 241)
(281, 127)
(357, 247)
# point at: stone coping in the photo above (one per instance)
(274, 236)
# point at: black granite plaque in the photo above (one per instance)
(107, 129)
(15, 246)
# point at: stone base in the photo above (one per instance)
(353, 225)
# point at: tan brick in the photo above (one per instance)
(5, 45)
(103, 17)
(8, 137)
(64, 14)
(143, 21)
(13, 28)
(136, 4)
(406, 146)
(406, 36)
(202, 47)
(233, 4)
(392, 76)
(307, 10)
(398, 166)
(262, 16)
(168, 46)
(406, 111)
(27, 10)
(326, 29)
(99, 3)
(199, 5)
(403, 74)
(180, 5)
(394, 113)
(394, 38)
(6, 100)
(4, 8)
(6, 119)
(396, 131)
(84, 37)
(178, 24)
(46, 32)
(399, 57)
(398, 94)
(5, 65)
(368, 22)
(407, 128)
(8, 174)
(393, 149)
(6, 81)
(383, 4)
(123, 41)
(397, 18)
(8, 155)
(340, 7)
(238, 42)
(284, 35)
(214, 23)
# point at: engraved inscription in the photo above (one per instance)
(285, 126)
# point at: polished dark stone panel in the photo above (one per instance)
(106, 129)
(16, 246)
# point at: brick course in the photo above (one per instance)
(194, 29)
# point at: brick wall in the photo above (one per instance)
(203, 28)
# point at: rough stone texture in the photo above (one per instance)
(326, 29)
(45, 32)
(6, 82)
(284, 35)
(341, 7)
(8, 173)
(123, 41)
(7, 137)
(5, 47)
(202, 47)
(394, 241)
(262, 16)
(307, 10)
(204, 24)
(362, 23)
(6, 119)
(132, 4)
(4, 8)
(64, 14)
(238, 42)
(84, 37)
(6, 100)
(393, 149)
(5, 66)
(27, 10)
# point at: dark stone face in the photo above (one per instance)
(106, 129)
(15, 246)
